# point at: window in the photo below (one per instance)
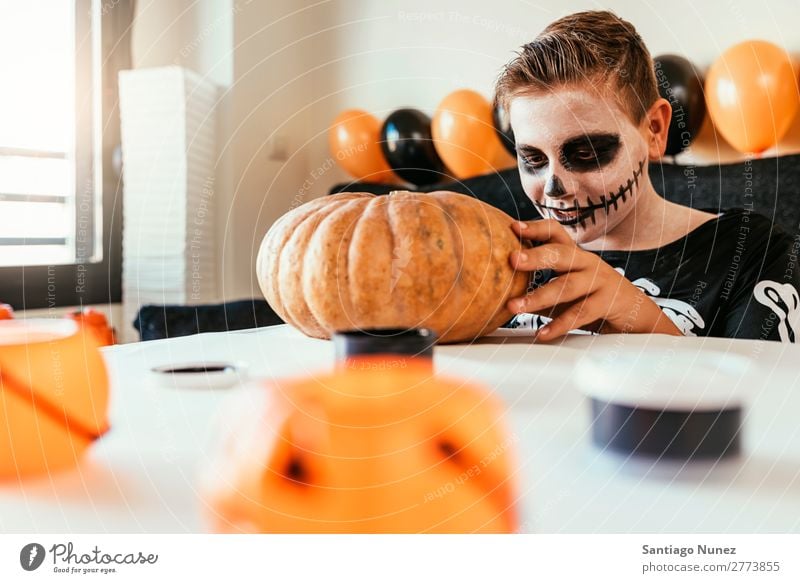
(59, 213)
(37, 133)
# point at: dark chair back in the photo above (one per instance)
(768, 186)
(155, 322)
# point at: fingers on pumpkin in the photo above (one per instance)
(558, 256)
(542, 230)
(560, 290)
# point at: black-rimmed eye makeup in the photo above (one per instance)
(590, 152)
(532, 159)
(582, 153)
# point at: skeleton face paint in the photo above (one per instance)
(554, 187)
(580, 157)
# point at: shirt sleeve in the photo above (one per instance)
(765, 304)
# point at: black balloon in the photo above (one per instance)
(682, 85)
(502, 125)
(408, 147)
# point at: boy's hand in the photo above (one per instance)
(588, 293)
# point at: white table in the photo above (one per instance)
(141, 477)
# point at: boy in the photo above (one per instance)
(613, 255)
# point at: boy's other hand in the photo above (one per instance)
(587, 293)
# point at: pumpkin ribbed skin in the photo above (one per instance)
(355, 260)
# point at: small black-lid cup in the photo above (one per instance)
(667, 434)
(414, 343)
(676, 404)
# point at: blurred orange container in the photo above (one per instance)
(53, 395)
(381, 445)
(96, 321)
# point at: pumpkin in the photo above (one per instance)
(436, 260)
(381, 446)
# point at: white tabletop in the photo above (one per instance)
(142, 476)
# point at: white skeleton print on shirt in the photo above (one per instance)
(783, 300)
(682, 314)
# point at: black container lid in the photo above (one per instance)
(676, 435)
(413, 342)
(677, 404)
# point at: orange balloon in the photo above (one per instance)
(53, 396)
(379, 446)
(464, 135)
(752, 95)
(354, 141)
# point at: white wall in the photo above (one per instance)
(296, 63)
(271, 97)
(410, 53)
(197, 34)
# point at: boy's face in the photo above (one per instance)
(581, 159)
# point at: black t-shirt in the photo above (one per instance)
(735, 276)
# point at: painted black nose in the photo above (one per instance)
(554, 188)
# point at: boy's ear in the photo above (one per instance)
(657, 127)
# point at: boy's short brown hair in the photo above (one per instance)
(596, 47)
